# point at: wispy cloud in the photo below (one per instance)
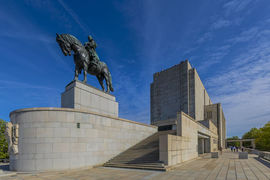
(221, 23)
(26, 95)
(235, 6)
(226, 19)
(74, 16)
(21, 29)
(244, 87)
(246, 35)
(213, 56)
(205, 37)
(8, 84)
(210, 49)
(28, 50)
(241, 63)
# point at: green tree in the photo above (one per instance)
(263, 140)
(3, 142)
(261, 136)
(252, 134)
(236, 144)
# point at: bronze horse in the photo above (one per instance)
(84, 60)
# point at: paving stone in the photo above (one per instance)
(227, 166)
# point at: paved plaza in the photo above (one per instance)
(228, 166)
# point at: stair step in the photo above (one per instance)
(136, 167)
(136, 159)
(138, 164)
(144, 155)
(138, 156)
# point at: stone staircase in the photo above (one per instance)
(144, 155)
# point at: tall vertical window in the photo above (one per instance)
(209, 114)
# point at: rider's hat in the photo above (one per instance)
(90, 38)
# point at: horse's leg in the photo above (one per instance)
(76, 73)
(107, 80)
(107, 84)
(85, 73)
(110, 81)
(100, 80)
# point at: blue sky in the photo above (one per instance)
(228, 42)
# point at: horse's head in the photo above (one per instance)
(64, 44)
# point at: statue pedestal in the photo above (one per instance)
(79, 95)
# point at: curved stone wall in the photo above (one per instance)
(64, 138)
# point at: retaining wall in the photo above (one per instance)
(64, 138)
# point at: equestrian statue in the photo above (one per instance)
(85, 59)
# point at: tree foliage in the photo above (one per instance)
(263, 140)
(252, 134)
(3, 142)
(261, 136)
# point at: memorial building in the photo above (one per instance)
(180, 88)
(86, 130)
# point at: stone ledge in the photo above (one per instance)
(243, 155)
(83, 86)
(76, 110)
(214, 154)
(79, 95)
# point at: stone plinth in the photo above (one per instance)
(243, 155)
(79, 95)
(214, 154)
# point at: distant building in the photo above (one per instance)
(180, 88)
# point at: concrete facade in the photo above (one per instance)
(192, 139)
(180, 89)
(176, 89)
(79, 95)
(215, 114)
(194, 130)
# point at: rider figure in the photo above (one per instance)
(90, 46)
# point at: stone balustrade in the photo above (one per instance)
(261, 154)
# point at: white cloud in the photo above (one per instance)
(213, 56)
(244, 88)
(205, 37)
(246, 35)
(221, 23)
(235, 6)
(74, 16)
